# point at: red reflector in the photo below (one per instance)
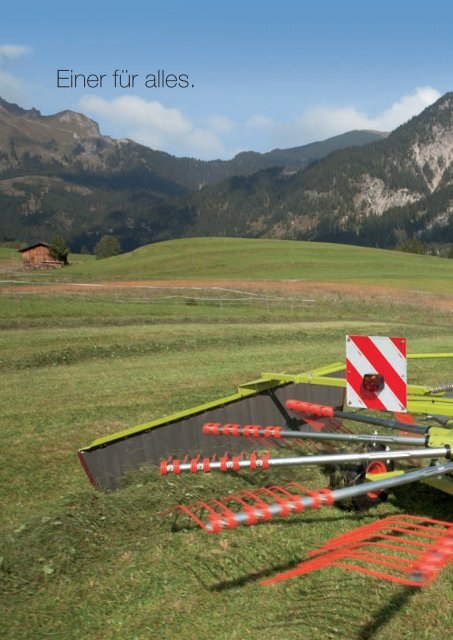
(373, 381)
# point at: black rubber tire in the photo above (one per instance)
(351, 474)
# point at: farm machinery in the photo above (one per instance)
(267, 423)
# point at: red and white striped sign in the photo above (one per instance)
(376, 355)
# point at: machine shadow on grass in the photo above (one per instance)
(347, 612)
(383, 615)
(334, 592)
(224, 573)
(408, 502)
(343, 611)
(422, 500)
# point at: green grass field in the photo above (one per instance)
(76, 563)
(273, 259)
(256, 259)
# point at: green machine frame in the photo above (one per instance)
(108, 460)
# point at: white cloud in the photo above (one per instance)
(220, 124)
(157, 126)
(318, 123)
(216, 136)
(14, 50)
(10, 86)
(405, 108)
(258, 121)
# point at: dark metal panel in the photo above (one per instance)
(109, 464)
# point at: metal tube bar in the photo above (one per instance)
(277, 433)
(300, 406)
(265, 462)
(381, 422)
(321, 499)
(356, 437)
(368, 456)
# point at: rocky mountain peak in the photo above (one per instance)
(15, 110)
(79, 122)
(432, 140)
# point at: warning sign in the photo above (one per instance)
(376, 373)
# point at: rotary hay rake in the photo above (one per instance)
(405, 549)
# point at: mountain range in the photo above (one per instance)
(58, 174)
(380, 194)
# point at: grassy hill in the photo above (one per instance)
(257, 259)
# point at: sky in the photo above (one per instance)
(237, 75)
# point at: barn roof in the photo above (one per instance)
(32, 246)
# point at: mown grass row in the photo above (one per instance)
(65, 347)
(127, 306)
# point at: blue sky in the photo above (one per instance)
(264, 74)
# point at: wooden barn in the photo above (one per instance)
(37, 256)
